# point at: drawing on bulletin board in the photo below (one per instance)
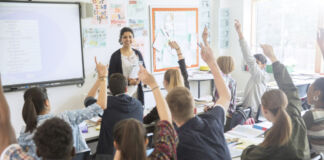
(175, 24)
(94, 37)
(117, 15)
(100, 12)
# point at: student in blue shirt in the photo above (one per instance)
(202, 136)
(37, 109)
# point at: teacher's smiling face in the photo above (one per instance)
(127, 39)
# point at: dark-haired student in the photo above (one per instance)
(37, 109)
(119, 106)
(9, 149)
(287, 138)
(126, 61)
(202, 136)
(314, 118)
(130, 136)
(172, 78)
(54, 140)
(256, 85)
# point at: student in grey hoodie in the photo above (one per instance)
(120, 106)
(256, 85)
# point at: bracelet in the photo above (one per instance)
(102, 78)
(154, 88)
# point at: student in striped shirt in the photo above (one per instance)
(314, 118)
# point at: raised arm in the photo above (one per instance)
(283, 80)
(320, 40)
(254, 69)
(101, 84)
(7, 134)
(161, 104)
(182, 62)
(208, 57)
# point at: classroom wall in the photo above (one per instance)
(71, 97)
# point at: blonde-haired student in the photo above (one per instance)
(172, 78)
(287, 138)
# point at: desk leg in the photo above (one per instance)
(212, 87)
(198, 89)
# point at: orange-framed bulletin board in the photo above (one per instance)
(175, 24)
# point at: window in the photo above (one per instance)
(290, 26)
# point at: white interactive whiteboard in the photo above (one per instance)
(40, 43)
(176, 24)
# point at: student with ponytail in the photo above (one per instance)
(37, 109)
(287, 138)
(172, 78)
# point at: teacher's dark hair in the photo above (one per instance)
(34, 104)
(122, 31)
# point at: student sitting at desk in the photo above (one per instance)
(202, 136)
(37, 109)
(287, 138)
(314, 118)
(119, 106)
(53, 139)
(226, 65)
(172, 79)
(130, 136)
(256, 85)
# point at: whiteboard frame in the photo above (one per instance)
(152, 53)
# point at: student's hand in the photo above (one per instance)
(146, 77)
(238, 28)
(101, 69)
(174, 45)
(320, 40)
(205, 35)
(207, 54)
(268, 51)
(133, 81)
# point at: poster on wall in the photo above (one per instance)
(94, 37)
(117, 14)
(100, 14)
(175, 24)
(204, 16)
(224, 28)
(136, 15)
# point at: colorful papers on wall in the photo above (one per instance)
(117, 14)
(139, 44)
(100, 12)
(94, 37)
(204, 16)
(137, 16)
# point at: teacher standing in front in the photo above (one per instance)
(126, 61)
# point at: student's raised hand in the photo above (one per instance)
(133, 81)
(207, 54)
(238, 26)
(268, 51)
(205, 36)
(101, 69)
(146, 77)
(320, 40)
(174, 45)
